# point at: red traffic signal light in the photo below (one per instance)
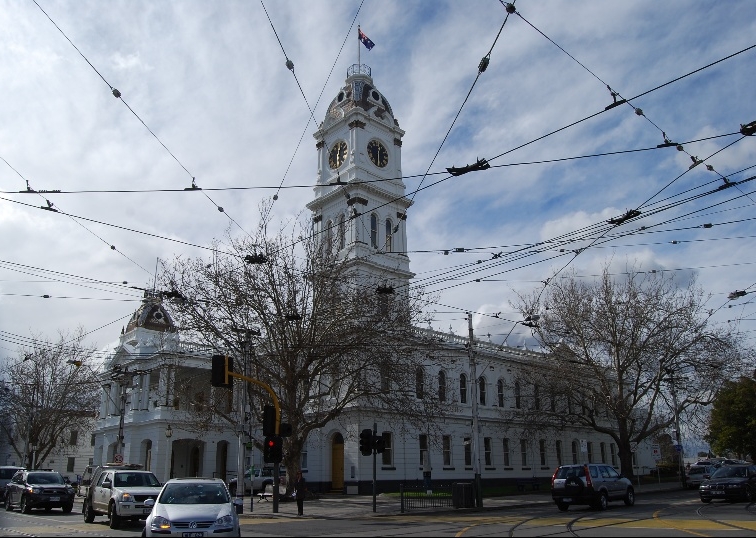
(273, 449)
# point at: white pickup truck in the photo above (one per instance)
(260, 479)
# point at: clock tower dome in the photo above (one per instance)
(360, 208)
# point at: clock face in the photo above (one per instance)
(378, 153)
(337, 155)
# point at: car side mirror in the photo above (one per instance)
(107, 484)
(149, 503)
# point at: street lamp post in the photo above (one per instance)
(168, 435)
(475, 432)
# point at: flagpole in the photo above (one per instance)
(358, 49)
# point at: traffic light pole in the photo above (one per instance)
(276, 472)
(375, 457)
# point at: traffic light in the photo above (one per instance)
(366, 442)
(221, 366)
(269, 420)
(379, 444)
(273, 449)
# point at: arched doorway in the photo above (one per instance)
(337, 462)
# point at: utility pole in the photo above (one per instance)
(475, 427)
(678, 442)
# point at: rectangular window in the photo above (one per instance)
(505, 445)
(559, 453)
(70, 466)
(468, 452)
(590, 452)
(602, 449)
(524, 452)
(487, 451)
(574, 452)
(447, 448)
(613, 453)
(423, 439)
(74, 439)
(303, 459)
(92, 440)
(542, 450)
(388, 458)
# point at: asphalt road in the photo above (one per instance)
(668, 513)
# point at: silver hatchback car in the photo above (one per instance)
(193, 508)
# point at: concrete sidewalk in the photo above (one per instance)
(351, 506)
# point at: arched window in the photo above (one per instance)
(419, 383)
(482, 390)
(442, 386)
(373, 231)
(389, 235)
(328, 238)
(462, 388)
(342, 232)
(500, 392)
(518, 402)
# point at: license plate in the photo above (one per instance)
(567, 500)
(717, 492)
(193, 534)
(146, 510)
(55, 498)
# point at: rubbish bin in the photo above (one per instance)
(462, 495)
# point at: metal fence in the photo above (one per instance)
(420, 498)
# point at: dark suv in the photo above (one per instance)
(594, 484)
(39, 489)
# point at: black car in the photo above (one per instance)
(730, 483)
(38, 489)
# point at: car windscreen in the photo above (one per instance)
(44, 478)
(127, 479)
(567, 472)
(198, 493)
(729, 471)
(7, 473)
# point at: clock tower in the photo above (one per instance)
(360, 208)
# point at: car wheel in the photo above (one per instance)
(25, 508)
(629, 497)
(115, 519)
(67, 508)
(89, 514)
(563, 507)
(602, 502)
(705, 501)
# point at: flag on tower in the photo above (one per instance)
(365, 40)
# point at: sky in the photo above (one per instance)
(205, 96)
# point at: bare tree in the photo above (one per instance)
(330, 339)
(50, 390)
(629, 354)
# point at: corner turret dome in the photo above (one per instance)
(153, 316)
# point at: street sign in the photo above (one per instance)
(656, 452)
(118, 458)
(583, 445)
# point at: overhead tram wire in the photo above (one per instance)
(363, 182)
(117, 94)
(290, 66)
(55, 208)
